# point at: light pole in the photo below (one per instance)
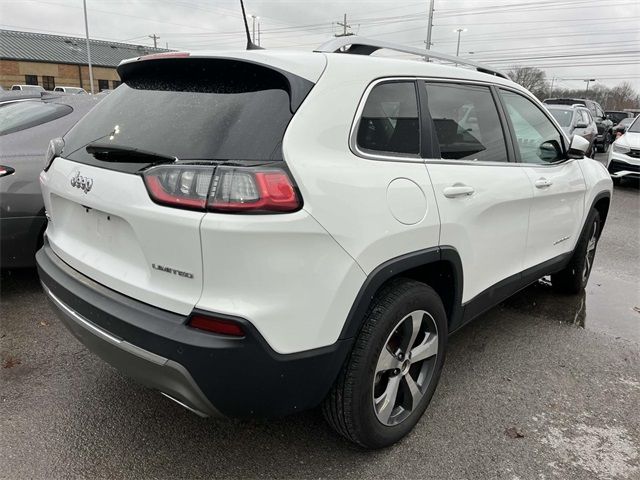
(587, 89)
(459, 30)
(86, 30)
(254, 17)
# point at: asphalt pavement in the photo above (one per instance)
(541, 387)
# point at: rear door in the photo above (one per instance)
(483, 198)
(193, 112)
(559, 187)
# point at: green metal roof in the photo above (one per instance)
(40, 47)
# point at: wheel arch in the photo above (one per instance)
(438, 267)
(601, 203)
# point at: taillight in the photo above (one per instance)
(4, 171)
(216, 325)
(54, 150)
(222, 188)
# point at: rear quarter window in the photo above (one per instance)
(389, 122)
(18, 116)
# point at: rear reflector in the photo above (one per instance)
(216, 325)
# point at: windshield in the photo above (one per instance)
(203, 110)
(563, 117)
(635, 126)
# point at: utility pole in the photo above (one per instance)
(344, 26)
(259, 32)
(86, 30)
(553, 80)
(155, 40)
(459, 30)
(430, 25)
(587, 89)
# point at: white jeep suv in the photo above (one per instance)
(258, 233)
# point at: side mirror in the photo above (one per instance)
(578, 147)
(549, 151)
(581, 125)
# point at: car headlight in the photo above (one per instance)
(54, 150)
(618, 148)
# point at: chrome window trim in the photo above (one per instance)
(353, 143)
(355, 125)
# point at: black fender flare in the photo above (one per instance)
(395, 267)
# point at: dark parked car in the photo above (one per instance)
(28, 120)
(576, 120)
(617, 116)
(604, 124)
(622, 126)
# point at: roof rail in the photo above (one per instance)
(366, 46)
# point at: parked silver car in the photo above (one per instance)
(28, 120)
(576, 120)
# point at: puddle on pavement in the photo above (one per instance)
(609, 305)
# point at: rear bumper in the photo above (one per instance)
(210, 374)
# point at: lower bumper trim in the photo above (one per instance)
(149, 369)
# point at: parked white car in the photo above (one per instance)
(30, 88)
(73, 90)
(624, 155)
(259, 233)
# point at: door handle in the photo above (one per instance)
(458, 190)
(543, 183)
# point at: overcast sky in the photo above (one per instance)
(602, 36)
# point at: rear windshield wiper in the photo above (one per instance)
(121, 154)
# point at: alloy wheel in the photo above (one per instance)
(405, 367)
(591, 252)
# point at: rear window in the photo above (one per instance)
(192, 109)
(563, 117)
(21, 115)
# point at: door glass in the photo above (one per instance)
(466, 122)
(538, 140)
(389, 122)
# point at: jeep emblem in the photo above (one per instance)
(83, 183)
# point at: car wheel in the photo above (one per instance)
(392, 372)
(599, 147)
(574, 277)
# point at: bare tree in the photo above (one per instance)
(623, 96)
(531, 78)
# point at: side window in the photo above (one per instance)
(466, 122)
(538, 140)
(588, 117)
(599, 112)
(389, 122)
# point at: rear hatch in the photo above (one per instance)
(198, 113)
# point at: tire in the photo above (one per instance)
(616, 181)
(574, 277)
(600, 147)
(358, 406)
